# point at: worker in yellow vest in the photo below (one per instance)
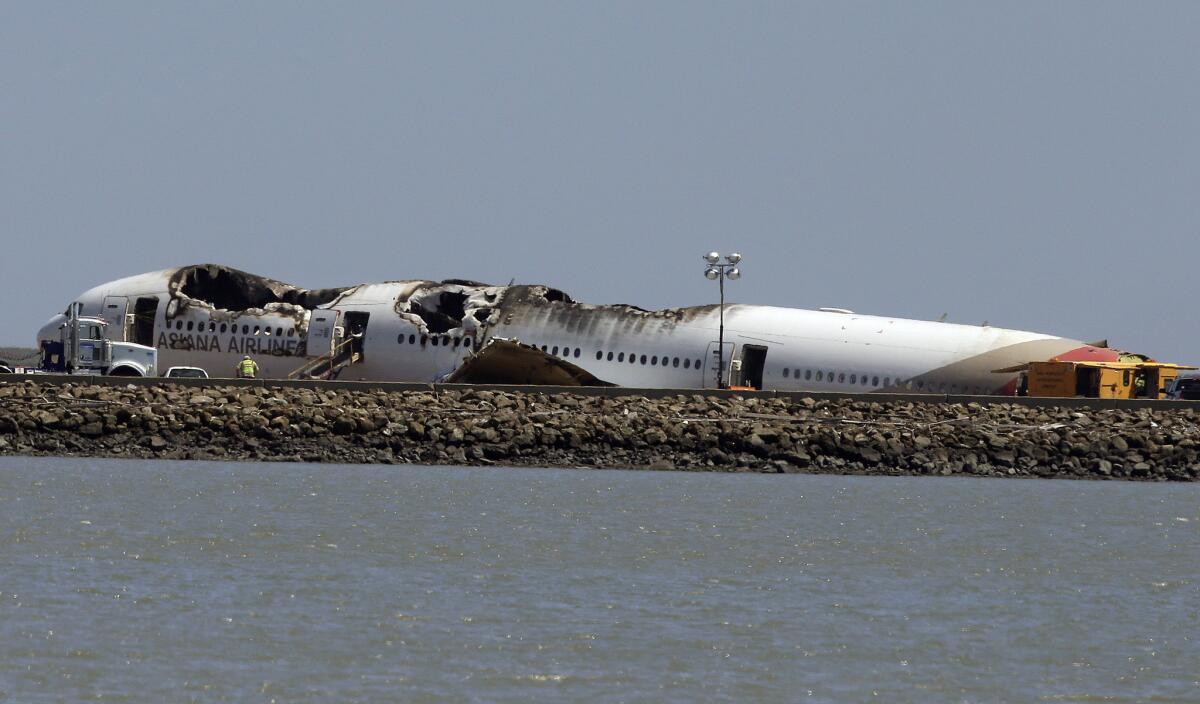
(247, 369)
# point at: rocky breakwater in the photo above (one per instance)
(685, 432)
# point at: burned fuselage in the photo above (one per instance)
(210, 316)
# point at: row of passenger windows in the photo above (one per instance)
(566, 351)
(246, 329)
(652, 360)
(831, 377)
(435, 340)
(555, 350)
(839, 377)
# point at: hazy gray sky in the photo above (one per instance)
(1030, 164)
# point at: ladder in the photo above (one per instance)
(328, 365)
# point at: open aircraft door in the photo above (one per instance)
(119, 328)
(323, 328)
(713, 360)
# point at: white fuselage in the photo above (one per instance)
(796, 349)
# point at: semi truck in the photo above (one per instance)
(82, 348)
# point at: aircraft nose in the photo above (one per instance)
(49, 331)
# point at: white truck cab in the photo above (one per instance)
(82, 348)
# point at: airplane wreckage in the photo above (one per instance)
(210, 315)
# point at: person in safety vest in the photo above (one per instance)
(247, 369)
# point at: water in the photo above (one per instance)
(183, 581)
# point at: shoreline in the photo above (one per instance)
(680, 432)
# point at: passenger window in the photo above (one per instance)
(786, 371)
(400, 339)
(864, 380)
(189, 327)
(609, 356)
(675, 362)
(599, 355)
(687, 364)
(412, 339)
(874, 381)
(807, 374)
(820, 376)
(842, 378)
(654, 361)
(466, 342)
(621, 357)
(697, 364)
(643, 359)
(555, 351)
(632, 358)
(424, 339)
(291, 332)
(278, 332)
(256, 330)
(223, 327)
(578, 352)
(445, 340)
(434, 340)
(178, 324)
(245, 329)
(853, 378)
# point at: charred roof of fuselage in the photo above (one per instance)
(439, 305)
(227, 288)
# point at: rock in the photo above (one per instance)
(92, 429)
(47, 419)
(485, 426)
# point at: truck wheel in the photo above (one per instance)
(124, 371)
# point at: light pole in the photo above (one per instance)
(719, 271)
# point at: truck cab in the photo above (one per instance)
(83, 347)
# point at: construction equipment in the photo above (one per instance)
(1127, 379)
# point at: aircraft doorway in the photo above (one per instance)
(753, 360)
(144, 310)
(356, 330)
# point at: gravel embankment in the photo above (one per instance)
(680, 432)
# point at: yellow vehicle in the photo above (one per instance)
(1140, 379)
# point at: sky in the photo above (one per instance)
(1030, 164)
